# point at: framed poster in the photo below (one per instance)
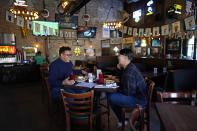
(155, 31)
(190, 23)
(148, 32)
(141, 32)
(165, 30)
(135, 32)
(129, 30)
(176, 27)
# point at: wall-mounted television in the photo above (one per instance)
(156, 43)
(86, 32)
(137, 43)
(173, 45)
(45, 28)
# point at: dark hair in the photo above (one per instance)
(63, 48)
(127, 52)
(39, 53)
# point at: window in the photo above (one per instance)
(190, 49)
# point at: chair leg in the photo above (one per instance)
(67, 122)
(108, 113)
(123, 120)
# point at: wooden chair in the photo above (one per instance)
(186, 98)
(79, 107)
(150, 85)
(51, 102)
(136, 119)
(43, 73)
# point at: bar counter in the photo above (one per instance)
(18, 73)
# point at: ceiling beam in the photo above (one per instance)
(84, 2)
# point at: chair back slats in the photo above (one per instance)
(186, 98)
(78, 105)
(150, 85)
(79, 113)
(79, 102)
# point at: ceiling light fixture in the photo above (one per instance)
(20, 8)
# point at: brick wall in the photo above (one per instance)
(97, 9)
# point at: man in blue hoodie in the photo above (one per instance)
(59, 73)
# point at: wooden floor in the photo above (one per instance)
(22, 109)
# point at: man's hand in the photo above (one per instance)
(118, 66)
(84, 72)
(68, 82)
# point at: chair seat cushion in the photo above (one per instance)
(96, 110)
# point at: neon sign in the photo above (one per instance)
(20, 3)
(7, 50)
(137, 14)
(177, 8)
(150, 8)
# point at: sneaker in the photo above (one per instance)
(119, 124)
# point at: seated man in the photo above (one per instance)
(132, 83)
(59, 73)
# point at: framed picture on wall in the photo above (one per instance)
(113, 34)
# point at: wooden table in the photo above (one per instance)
(174, 117)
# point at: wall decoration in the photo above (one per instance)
(77, 51)
(165, 30)
(124, 16)
(148, 32)
(176, 27)
(106, 32)
(141, 32)
(89, 52)
(115, 41)
(150, 7)
(156, 31)
(136, 15)
(125, 29)
(129, 30)
(113, 34)
(135, 32)
(105, 43)
(195, 33)
(20, 21)
(190, 23)
(189, 34)
(9, 17)
(128, 40)
(29, 25)
(188, 7)
(61, 33)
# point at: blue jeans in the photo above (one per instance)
(117, 101)
(57, 95)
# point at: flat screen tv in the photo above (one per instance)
(173, 45)
(45, 28)
(137, 43)
(86, 32)
(156, 43)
